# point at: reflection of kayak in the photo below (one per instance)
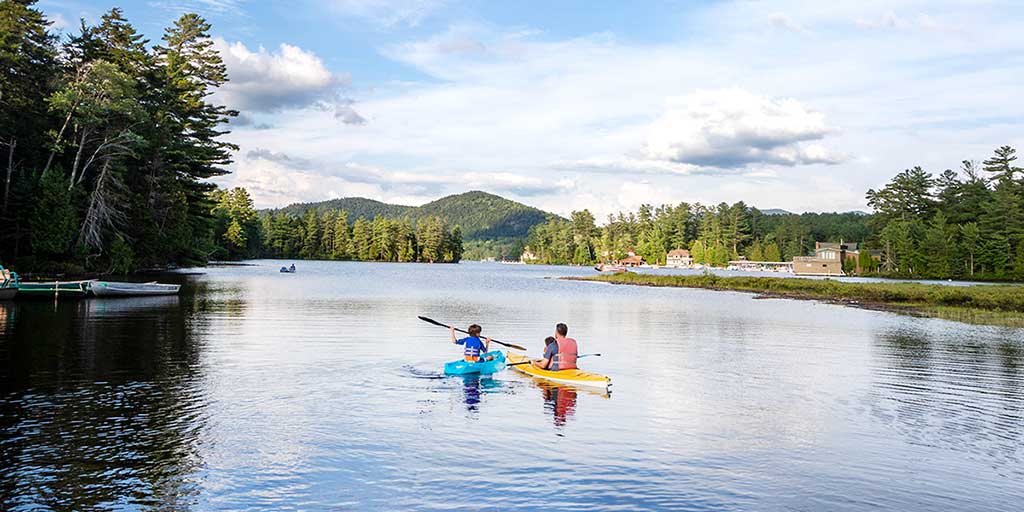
(574, 377)
(463, 367)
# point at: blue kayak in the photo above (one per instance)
(463, 367)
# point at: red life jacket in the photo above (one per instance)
(565, 359)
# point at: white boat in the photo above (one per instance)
(116, 289)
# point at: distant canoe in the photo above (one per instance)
(286, 270)
(68, 289)
(8, 293)
(116, 289)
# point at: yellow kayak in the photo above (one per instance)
(574, 377)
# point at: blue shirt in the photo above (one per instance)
(474, 345)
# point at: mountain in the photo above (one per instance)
(355, 206)
(776, 211)
(480, 215)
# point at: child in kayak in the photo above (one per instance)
(474, 347)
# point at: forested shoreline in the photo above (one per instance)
(966, 224)
(242, 233)
(107, 143)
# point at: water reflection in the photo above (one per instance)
(958, 392)
(474, 387)
(101, 405)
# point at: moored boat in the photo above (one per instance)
(572, 377)
(8, 284)
(463, 367)
(67, 289)
(118, 289)
(610, 268)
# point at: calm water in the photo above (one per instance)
(321, 391)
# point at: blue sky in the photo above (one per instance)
(603, 105)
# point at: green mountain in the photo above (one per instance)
(480, 215)
(355, 206)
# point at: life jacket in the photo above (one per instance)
(471, 354)
(565, 359)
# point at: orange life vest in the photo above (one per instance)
(565, 359)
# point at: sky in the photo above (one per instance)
(602, 105)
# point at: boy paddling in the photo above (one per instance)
(474, 347)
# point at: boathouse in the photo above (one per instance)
(631, 260)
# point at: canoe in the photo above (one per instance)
(8, 293)
(463, 367)
(286, 270)
(69, 289)
(116, 289)
(572, 377)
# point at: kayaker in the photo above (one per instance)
(474, 347)
(560, 355)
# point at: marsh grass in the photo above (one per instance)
(983, 304)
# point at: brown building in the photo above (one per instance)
(813, 266)
(829, 257)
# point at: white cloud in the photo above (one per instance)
(733, 128)
(264, 81)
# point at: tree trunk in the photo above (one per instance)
(60, 135)
(10, 171)
(78, 157)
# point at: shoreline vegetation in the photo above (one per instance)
(999, 305)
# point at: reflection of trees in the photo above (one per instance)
(101, 405)
(960, 392)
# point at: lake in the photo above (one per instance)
(321, 390)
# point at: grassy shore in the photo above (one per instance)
(1001, 305)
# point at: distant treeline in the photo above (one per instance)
(327, 235)
(106, 143)
(966, 224)
(714, 235)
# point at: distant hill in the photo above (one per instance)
(776, 211)
(355, 206)
(480, 215)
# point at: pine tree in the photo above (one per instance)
(970, 237)
(1001, 166)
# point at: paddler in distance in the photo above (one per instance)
(474, 347)
(560, 355)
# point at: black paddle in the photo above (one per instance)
(528, 360)
(435, 322)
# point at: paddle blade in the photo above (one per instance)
(511, 345)
(431, 321)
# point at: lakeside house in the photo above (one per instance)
(678, 258)
(527, 256)
(631, 260)
(829, 258)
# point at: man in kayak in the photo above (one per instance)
(474, 347)
(560, 355)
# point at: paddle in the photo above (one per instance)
(435, 322)
(528, 361)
